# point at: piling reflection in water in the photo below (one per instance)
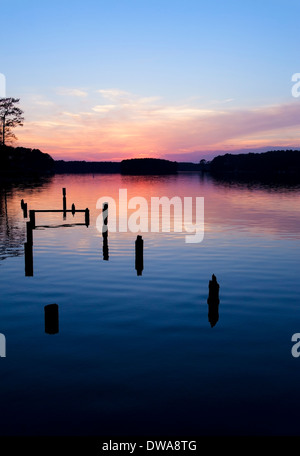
(29, 233)
(28, 253)
(139, 255)
(105, 246)
(213, 301)
(51, 319)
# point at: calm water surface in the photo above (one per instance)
(136, 354)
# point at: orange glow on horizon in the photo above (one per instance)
(130, 127)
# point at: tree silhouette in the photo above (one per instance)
(11, 116)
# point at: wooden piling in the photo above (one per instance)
(87, 217)
(25, 210)
(32, 218)
(213, 301)
(64, 201)
(51, 319)
(105, 213)
(139, 255)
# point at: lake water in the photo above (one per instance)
(136, 354)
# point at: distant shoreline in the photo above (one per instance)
(279, 165)
(108, 167)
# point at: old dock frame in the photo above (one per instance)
(31, 225)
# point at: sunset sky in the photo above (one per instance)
(183, 80)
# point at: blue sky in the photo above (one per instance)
(227, 56)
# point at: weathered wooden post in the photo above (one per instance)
(64, 202)
(51, 319)
(28, 259)
(32, 218)
(25, 210)
(213, 301)
(87, 217)
(139, 255)
(105, 213)
(73, 209)
(105, 217)
(29, 233)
